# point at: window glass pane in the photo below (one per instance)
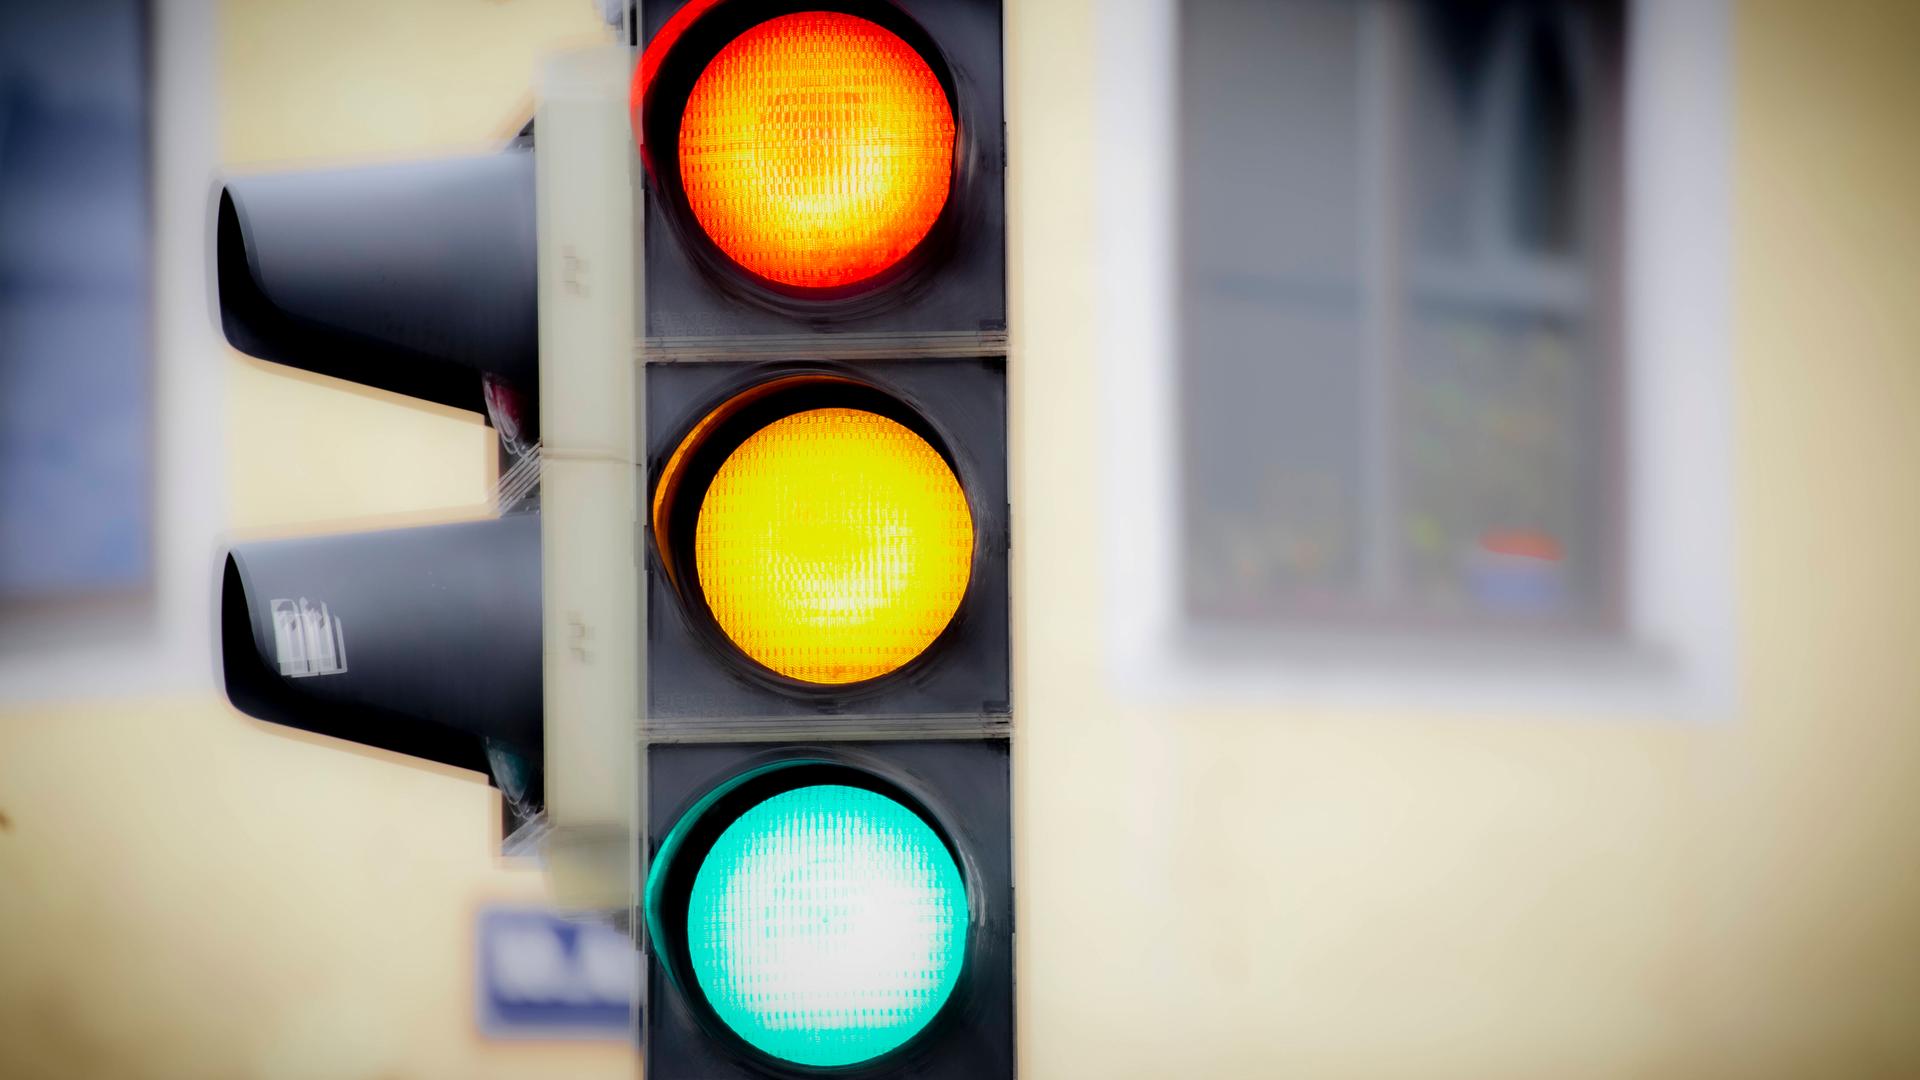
(1400, 400)
(1271, 301)
(75, 378)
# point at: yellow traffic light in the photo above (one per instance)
(833, 545)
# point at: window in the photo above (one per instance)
(1394, 360)
(111, 471)
(75, 388)
(1423, 399)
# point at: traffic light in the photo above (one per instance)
(827, 823)
(507, 645)
(830, 540)
(423, 641)
(823, 171)
(829, 905)
(812, 461)
(418, 279)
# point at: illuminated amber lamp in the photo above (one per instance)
(832, 545)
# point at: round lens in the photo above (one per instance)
(833, 545)
(827, 925)
(816, 149)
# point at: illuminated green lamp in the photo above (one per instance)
(827, 925)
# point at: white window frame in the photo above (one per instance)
(1677, 654)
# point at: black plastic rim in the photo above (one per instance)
(660, 113)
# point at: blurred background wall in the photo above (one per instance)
(1248, 892)
(1231, 892)
(185, 892)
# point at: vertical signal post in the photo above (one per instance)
(591, 601)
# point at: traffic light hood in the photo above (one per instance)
(422, 641)
(416, 278)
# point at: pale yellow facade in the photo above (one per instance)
(1243, 892)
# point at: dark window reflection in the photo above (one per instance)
(1400, 391)
(75, 368)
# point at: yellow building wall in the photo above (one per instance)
(188, 893)
(1235, 893)
(1251, 892)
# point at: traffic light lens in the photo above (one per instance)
(833, 545)
(816, 149)
(827, 925)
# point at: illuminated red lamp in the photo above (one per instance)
(815, 149)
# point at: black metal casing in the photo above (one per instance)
(693, 673)
(922, 343)
(437, 631)
(416, 278)
(963, 789)
(952, 287)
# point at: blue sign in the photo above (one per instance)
(544, 975)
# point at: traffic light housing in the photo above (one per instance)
(828, 824)
(422, 641)
(416, 278)
(853, 66)
(773, 949)
(699, 414)
(822, 519)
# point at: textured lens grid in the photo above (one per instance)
(834, 545)
(827, 925)
(816, 149)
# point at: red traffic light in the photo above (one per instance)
(816, 149)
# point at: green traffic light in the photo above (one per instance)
(827, 925)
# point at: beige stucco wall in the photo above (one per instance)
(184, 893)
(1249, 893)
